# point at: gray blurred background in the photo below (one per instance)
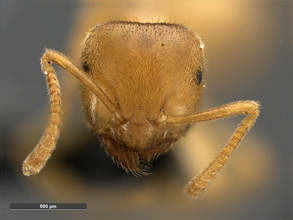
(249, 53)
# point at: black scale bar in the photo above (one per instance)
(48, 206)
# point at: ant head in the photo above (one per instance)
(146, 71)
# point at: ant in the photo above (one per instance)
(141, 86)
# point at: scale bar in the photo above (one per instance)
(47, 206)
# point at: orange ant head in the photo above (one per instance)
(147, 71)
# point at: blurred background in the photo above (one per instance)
(248, 45)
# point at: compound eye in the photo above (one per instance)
(198, 77)
(85, 67)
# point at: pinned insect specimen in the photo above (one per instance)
(141, 86)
